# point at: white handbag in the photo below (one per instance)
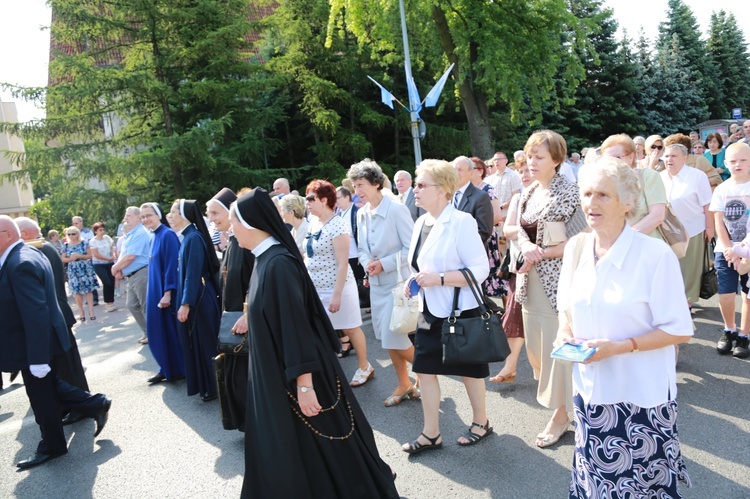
(405, 310)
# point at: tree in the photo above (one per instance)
(681, 23)
(726, 44)
(676, 106)
(151, 100)
(505, 52)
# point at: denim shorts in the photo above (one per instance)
(728, 276)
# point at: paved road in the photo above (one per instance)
(160, 443)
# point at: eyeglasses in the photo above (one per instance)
(71, 233)
(421, 185)
(654, 146)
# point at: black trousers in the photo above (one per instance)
(48, 397)
(104, 273)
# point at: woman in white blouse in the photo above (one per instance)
(293, 213)
(689, 194)
(445, 240)
(616, 294)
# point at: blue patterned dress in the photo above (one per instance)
(81, 275)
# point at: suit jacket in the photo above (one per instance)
(383, 234)
(32, 329)
(453, 244)
(58, 271)
(477, 203)
(410, 203)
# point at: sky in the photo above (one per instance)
(24, 47)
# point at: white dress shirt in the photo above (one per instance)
(634, 289)
(687, 193)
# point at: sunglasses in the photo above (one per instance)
(421, 185)
(657, 147)
(71, 233)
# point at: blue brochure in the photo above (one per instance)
(414, 287)
(572, 353)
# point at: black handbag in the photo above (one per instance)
(709, 281)
(474, 340)
(504, 273)
(233, 344)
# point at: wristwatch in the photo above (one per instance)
(305, 389)
(442, 278)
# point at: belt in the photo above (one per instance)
(135, 272)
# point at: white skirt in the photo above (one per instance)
(349, 315)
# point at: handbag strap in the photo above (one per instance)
(475, 290)
(398, 267)
(706, 258)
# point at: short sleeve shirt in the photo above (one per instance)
(104, 247)
(688, 192)
(653, 193)
(322, 264)
(733, 200)
(505, 184)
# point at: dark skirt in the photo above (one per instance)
(428, 349)
(513, 318)
(623, 450)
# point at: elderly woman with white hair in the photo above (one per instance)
(615, 295)
(689, 194)
(293, 212)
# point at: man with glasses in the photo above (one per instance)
(133, 266)
(505, 182)
(473, 200)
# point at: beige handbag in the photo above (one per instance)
(674, 233)
(405, 310)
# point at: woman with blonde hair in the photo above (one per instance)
(640, 148)
(551, 213)
(81, 274)
(293, 212)
(654, 151)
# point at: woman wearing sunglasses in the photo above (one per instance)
(81, 275)
(327, 261)
(715, 154)
(654, 151)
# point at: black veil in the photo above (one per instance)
(191, 211)
(257, 210)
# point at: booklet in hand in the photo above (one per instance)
(572, 353)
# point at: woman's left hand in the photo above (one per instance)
(335, 304)
(183, 312)
(604, 348)
(308, 402)
(709, 233)
(240, 327)
(427, 279)
(374, 267)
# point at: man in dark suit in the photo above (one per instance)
(403, 182)
(470, 199)
(69, 366)
(32, 333)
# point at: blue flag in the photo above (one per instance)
(434, 94)
(385, 95)
(414, 102)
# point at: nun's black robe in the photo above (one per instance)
(289, 337)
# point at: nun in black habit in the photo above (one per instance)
(199, 312)
(305, 434)
(236, 270)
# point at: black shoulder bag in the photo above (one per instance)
(473, 340)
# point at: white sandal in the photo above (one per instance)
(361, 377)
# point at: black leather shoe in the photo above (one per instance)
(102, 417)
(35, 460)
(72, 417)
(208, 398)
(157, 378)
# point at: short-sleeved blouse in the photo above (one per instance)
(81, 275)
(652, 193)
(104, 247)
(322, 265)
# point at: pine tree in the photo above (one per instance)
(682, 24)
(676, 107)
(726, 44)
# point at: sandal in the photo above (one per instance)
(345, 353)
(549, 439)
(81, 319)
(93, 317)
(504, 378)
(411, 392)
(415, 447)
(473, 437)
(361, 377)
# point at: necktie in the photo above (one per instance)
(456, 198)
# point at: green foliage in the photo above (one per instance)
(727, 46)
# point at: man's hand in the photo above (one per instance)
(39, 370)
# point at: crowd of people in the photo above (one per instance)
(573, 247)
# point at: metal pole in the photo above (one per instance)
(412, 105)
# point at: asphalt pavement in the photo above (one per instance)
(160, 443)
